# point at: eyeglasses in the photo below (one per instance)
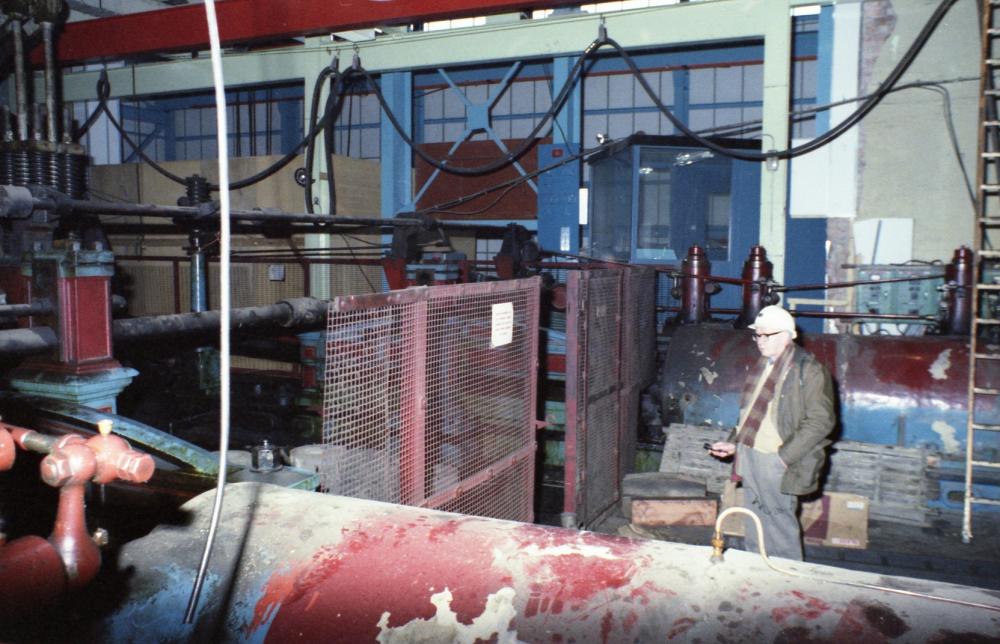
(764, 336)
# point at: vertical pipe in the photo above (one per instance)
(958, 276)
(199, 275)
(575, 362)
(51, 101)
(20, 88)
(756, 270)
(693, 290)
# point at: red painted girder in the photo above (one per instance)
(241, 21)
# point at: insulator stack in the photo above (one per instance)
(197, 190)
(76, 167)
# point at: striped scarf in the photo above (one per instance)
(748, 432)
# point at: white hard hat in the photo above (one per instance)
(775, 318)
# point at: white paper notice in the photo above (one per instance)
(502, 331)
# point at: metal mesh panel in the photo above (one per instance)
(638, 356)
(430, 397)
(592, 396)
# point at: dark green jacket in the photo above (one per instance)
(806, 418)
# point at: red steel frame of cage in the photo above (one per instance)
(610, 359)
(430, 397)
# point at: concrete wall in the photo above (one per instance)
(907, 165)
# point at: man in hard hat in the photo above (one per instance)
(786, 417)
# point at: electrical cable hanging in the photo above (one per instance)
(823, 139)
(224, 296)
(870, 103)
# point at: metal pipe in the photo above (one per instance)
(23, 342)
(20, 86)
(40, 307)
(30, 440)
(958, 281)
(298, 313)
(199, 276)
(758, 272)
(208, 212)
(51, 97)
(301, 313)
(833, 285)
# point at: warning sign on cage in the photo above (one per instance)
(502, 330)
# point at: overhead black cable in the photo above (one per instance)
(824, 138)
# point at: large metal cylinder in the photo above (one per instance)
(757, 271)
(958, 282)
(304, 567)
(693, 288)
(905, 390)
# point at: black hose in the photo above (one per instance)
(314, 126)
(826, 137)
(575, 73)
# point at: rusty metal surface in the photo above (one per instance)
(910, 391)
(298, 566)
(430, 397)
(638, 355)
(593, 345)
(31, 575)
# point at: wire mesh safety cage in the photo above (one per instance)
(611, 348)
(638, 347)
(430, 397)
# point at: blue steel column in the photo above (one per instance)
(396, 157)
(559, 189)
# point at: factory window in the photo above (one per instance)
(262, 121)
(513, 116)
(357, 132)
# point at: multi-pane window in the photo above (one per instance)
(261, 121)
(357, 131)
(513, 116)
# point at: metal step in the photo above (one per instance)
(987, 321)
(989, 221)
(992, 155)
(989, 254)
(988, 287)
(985, 427)
(990, 187)
(991, 123)
(990, 464)
(983, 501)
(985, 391)
(987, 356)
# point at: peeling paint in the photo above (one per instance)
(597, 552)
(444, 625)
(708, 375)
(939, 370)
(949, 443)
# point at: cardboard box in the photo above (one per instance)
(664, 512)
(734, 524)
(836, 520)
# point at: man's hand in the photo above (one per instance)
(722, 449)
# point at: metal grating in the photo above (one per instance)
(638, 355)
(593, 383)
(430, 397)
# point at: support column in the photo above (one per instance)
(397, 158)
(775, 134)
(559, 189)
(81, 369)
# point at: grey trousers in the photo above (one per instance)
(762, 495)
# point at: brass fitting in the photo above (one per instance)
(718, 543)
